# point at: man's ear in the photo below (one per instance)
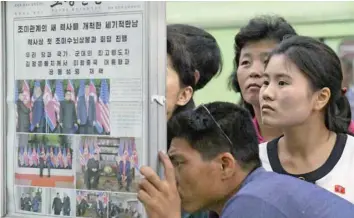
(227, 165)
(184, 96)
(196, 77)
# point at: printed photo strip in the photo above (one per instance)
(44, 160)
(124, 205)
(63, 106)
(62, 202)
(91, 204)
(109, 164)
(30, 199)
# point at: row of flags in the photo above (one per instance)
(52, 101)
(127, 145)
(90, 147)
(87, 150)
(59, 157)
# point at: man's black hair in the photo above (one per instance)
(182, 63)
(204, 49)
(204, 135)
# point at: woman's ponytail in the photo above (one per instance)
(339, 115)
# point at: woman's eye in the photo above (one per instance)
(266, 82)
(245, 62)
(282, 83)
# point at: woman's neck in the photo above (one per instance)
(268, 133)
(304, 139)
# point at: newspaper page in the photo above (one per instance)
(77, 71)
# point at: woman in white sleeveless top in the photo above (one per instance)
(302, 95)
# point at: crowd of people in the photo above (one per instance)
(286, 151)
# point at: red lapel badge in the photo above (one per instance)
(339, 189)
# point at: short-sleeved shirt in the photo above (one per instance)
(335, 175)
(270, 195)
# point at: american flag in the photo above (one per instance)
(49, 107)
(81, 90)
(130, 148)
(92, 89)
(58, 96)
(80, 93)
(121, 147)
(27, 96)
(33, 99)
(47, 155)
(30, 158)
(55, 157)
(38, 153)
(71, 88)
(91, 149)
(93, 92)
(134, 154)
(25, 156)
(34, 156)
(82, 156)
(103, 109)
(69, 157)
(36, 84)
(65, 159)
(97, 148)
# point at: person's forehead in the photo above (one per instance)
(181, 147)
(264, 45)
(280, 64)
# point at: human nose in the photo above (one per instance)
(267, 92)
(256, 69)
